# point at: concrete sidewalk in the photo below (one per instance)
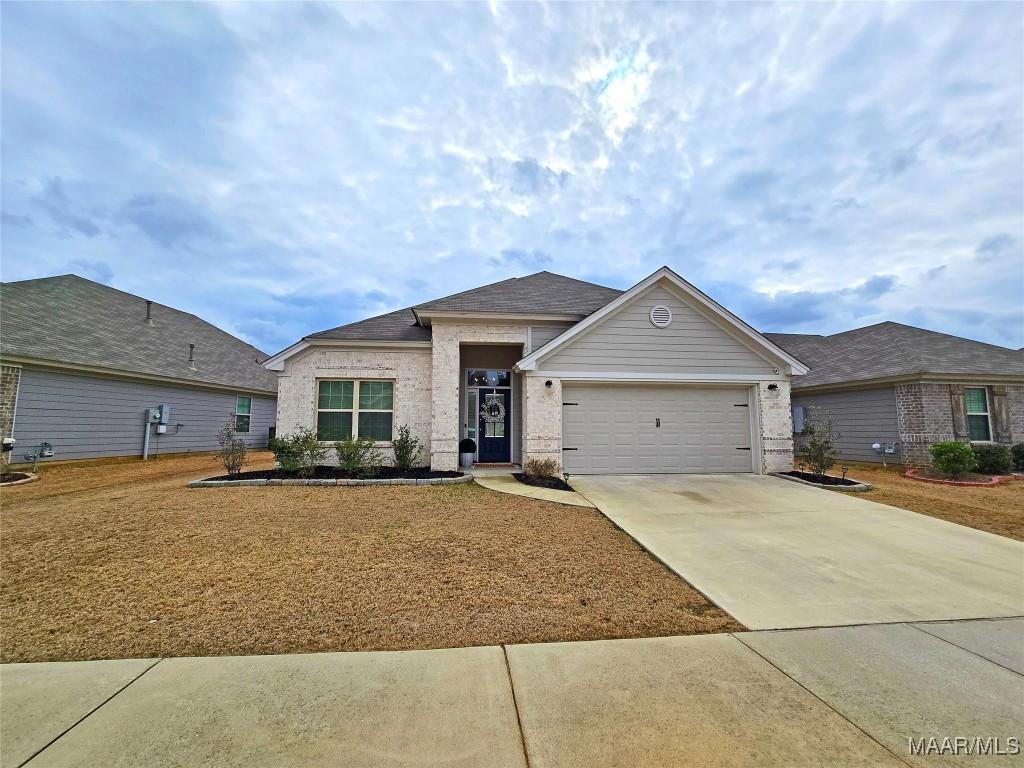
(847, 696)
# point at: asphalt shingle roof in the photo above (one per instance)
(888, 350)
(69, 319)
(539, 293)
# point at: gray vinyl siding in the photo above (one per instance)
(862, 417)
(90, 417)
(625, 341)
(542, 334)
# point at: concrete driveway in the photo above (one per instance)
(777, 554)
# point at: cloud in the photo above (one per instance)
(284, 168)
(93, 270)
(62, 211)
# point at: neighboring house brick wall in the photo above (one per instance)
(1015, 401)
(925, 414)
(10, 379)
(542, 421)
(410, 369)
(776, 422)
(445, 376)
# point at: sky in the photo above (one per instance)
(280, 169)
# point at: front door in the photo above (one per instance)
(495, 426)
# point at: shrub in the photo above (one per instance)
(358, 455)
(407, 448)
(232, 448)
(536, 468)
(993, 459)
(953, 458)
(300, 452)
(818, 441)
(1018, 457)
(467, 445)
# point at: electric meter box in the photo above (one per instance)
(165, 414)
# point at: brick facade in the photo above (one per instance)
(925, 415)
(542, 422)
(410, 369)
(776, 424)
(10, 380)
(445, 378)
(1015, 404)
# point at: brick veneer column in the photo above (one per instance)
(925, 415)
(444, 428)
(10, 380)
(776, 420)
(542, 425)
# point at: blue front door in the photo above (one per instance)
(494, 426)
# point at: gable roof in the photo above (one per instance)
(539, 293)
(700, 299)
(394, 326)
(73, 321)
(893, 350)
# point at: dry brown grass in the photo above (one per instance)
(998, 509)
(120, 560)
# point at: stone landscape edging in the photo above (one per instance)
(466, 478)
(911, 474)
(858, 486)
(31, 477)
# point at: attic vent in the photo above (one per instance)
(661, 316)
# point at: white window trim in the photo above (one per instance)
(236, 414)
(355, 410)
(987, 414)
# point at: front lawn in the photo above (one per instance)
(118, 560)
(998, 509)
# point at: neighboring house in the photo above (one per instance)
(83, 363)
(893, 383)
(659, 378)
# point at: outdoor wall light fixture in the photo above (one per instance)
(772, 387)
(548, 383)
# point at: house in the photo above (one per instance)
(83, 365)
(659, 378)
(892, 383)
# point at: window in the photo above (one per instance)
(243, 406)
(978, 427)
(355, 409)
(489, 379)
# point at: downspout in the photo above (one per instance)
(145, 439)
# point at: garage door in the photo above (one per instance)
(624, 429)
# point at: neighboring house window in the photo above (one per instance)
(355, 409)
(978, 425)
(243, 406)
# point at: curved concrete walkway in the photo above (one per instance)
(501, 480)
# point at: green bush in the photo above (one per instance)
(407, 448)
(1018, 457)
(993, 459)
(818, 441)
(300, 452)
(953, 458)
(358, 455)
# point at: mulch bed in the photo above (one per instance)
(12, 477)
(554, 483)
(821, 479)
(967, 479)
(336, 473)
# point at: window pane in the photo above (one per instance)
(471, 414)
(335, 395)
(333, 425)
(977, 428)
(975, 399)
(494, 429)
(242, 404)
(375, 395)
(479, 378)
(241, 423)
(376, 426)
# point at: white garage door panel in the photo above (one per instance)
(613, 429)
